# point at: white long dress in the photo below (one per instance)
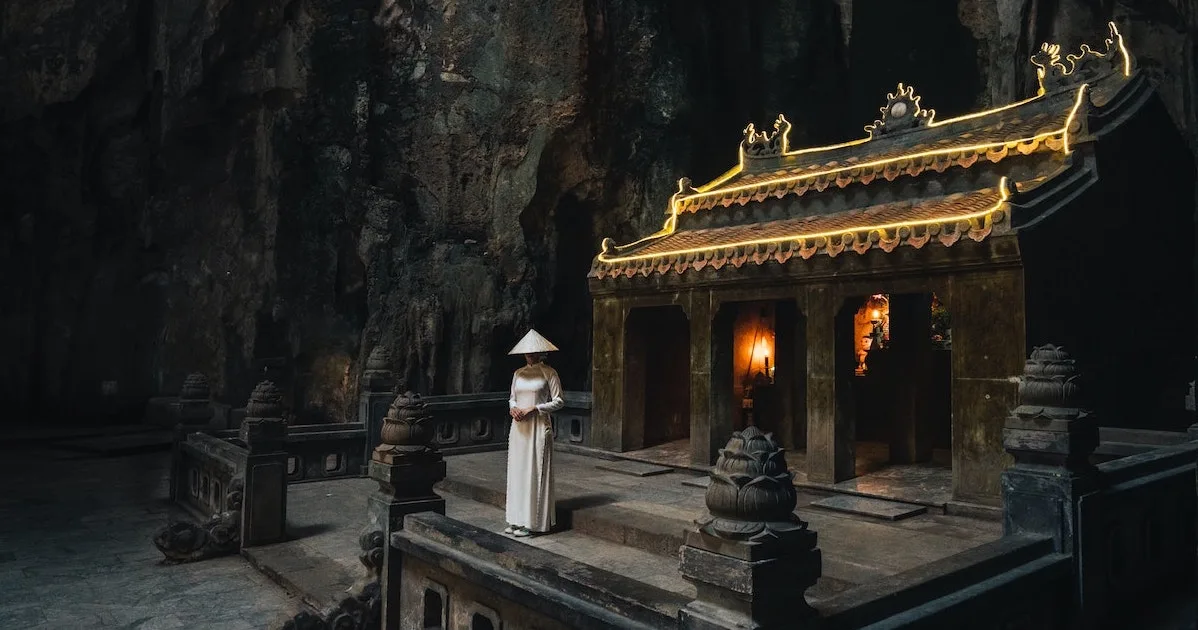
(530, 501)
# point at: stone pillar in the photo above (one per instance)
(751, 558)
(831, 455)
(406, 466)
(376, 390)
(706, 429)
(264, 432)
(1051, 438)
(193, 413)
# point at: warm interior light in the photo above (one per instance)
(876, 314)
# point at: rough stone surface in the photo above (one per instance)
(279, 185)
(76, 552)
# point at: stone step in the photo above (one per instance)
(648, 527)
(318, 580)
(634, 468)
(698, 482)
(875, 508)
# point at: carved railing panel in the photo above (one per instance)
(1137, 535)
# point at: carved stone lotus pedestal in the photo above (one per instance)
(751, 558)
(406, 467)
(264, 432)
(377, 391)
(1051, 438)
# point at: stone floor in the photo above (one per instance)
(76, 551)
(326, 518)
(926, 484)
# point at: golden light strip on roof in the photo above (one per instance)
(1004, 193)
(1116, 38)
(1064, 131)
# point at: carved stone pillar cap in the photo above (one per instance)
(379, 359)
(265, 402)
(195, 387)
(752, 494)
(1050, 385)
(407, 424)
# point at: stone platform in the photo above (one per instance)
(608, 519)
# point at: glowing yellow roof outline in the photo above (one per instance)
(1004, 193)
(1115, 39)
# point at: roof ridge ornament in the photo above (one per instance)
(1084, 66)
(767, 144)
(901, 113)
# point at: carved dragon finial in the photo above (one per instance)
(901, 112)
(767, 144)
(1084, 66)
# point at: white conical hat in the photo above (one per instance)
(533, 343)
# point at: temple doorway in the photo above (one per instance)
(658, 377)
(901, 382)
(758, 376)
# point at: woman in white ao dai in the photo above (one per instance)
(536, 393)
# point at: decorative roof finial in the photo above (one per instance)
(767, 144)
(1084, 66)
(901, 112)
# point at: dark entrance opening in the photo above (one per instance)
(901, 383)
(658, 375)
(758, 370)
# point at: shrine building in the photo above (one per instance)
(873, 301)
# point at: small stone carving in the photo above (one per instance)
(1084, 66)
(1050, 426)
(767, 144)
(901, 112)
(219, 535)
(379, 359)
(1049, 386)
(752, 494)
(266, 401)
(195, 388)
(407, 427)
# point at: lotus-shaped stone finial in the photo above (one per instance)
(379, 359)
(195, 387)
(406, 426)
(265, 402)
(752, 493)
(1049, 386)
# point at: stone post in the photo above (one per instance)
(751, 558)
(264, 432)
(193, 413)
(375, 393)
(1051, 438)
(406, 466)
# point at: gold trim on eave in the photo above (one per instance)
(1063, 131)
(709, 189)
(1004, 193)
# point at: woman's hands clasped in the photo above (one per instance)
(519, 413)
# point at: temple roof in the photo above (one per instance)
(942, 220)
(907, 141)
